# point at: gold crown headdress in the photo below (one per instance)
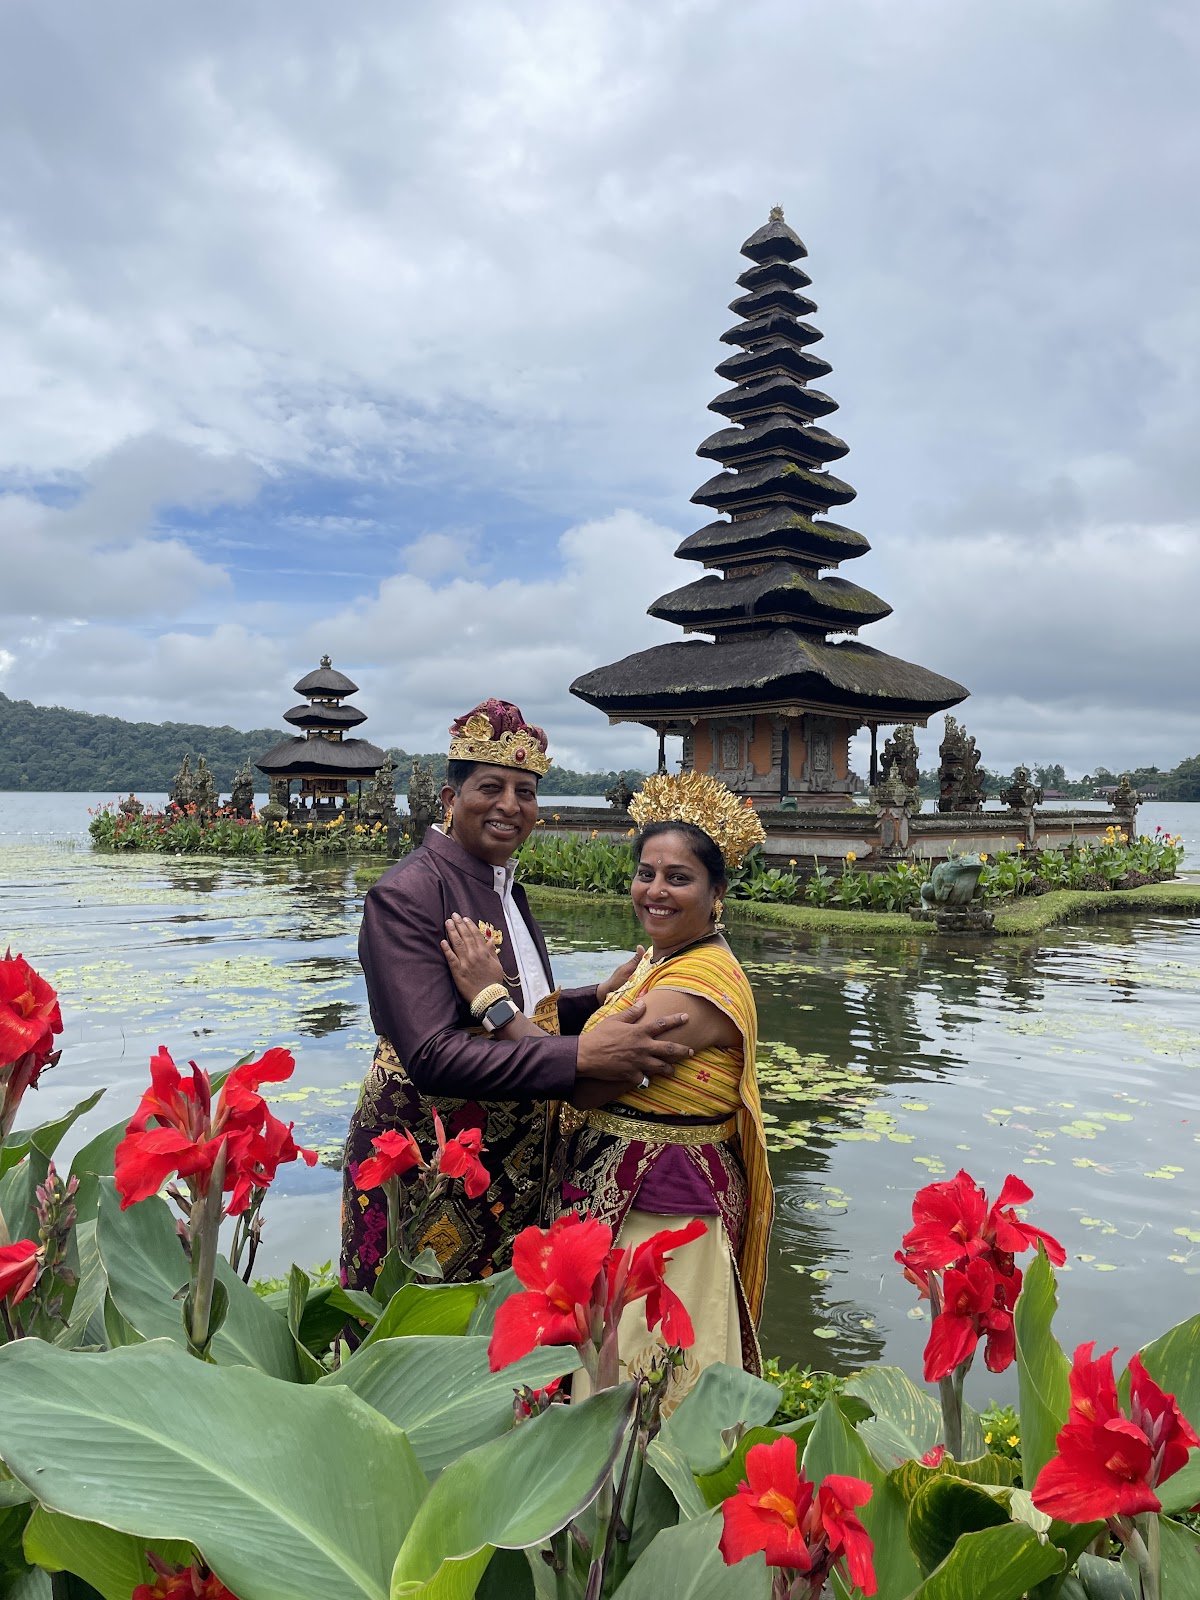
(695, 797)
(496, 732)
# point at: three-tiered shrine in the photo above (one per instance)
(769, 702)
(324, 760)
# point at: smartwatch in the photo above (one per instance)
(499, 1014)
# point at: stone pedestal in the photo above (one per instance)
(973, 920)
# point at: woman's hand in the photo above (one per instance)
(622, 975)
(471, 956)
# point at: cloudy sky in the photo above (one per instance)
(389, 331)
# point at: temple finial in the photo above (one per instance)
(326, 661)
(776, 214)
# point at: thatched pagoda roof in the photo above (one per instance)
(324, 716)
(325, 681)
(772, 609)
(322, 758)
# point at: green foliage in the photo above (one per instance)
(802, 1392)
(576, 861)
(225, 835)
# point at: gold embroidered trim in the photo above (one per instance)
(692, 1135)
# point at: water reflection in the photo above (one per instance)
(884, 1063)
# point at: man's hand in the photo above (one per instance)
(622, 975)
(625, 1051)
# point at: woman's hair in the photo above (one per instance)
(702, 847)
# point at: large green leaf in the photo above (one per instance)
(1180, 1555)
(915, 1418)
(1042, 1368)
(718, 1486)
(835, 1447)
(46, 1137)
(996, 1564)
(113, 1563)
(289, 1490)
(514, 1492)
(1173, 1361)
(95, 1161)
(441, 1391)
(499, 1286)
(1097, 1579)
(18, 1194)
(85, 1325)
(695, 1437)
(685, 1563)
(444, 1308)
(146, 1268)
(1181, 1491)
(944, 1509)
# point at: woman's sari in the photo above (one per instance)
(704, 1123)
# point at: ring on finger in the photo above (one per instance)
(645, 1083)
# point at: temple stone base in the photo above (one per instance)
(971, 919)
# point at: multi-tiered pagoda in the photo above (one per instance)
(322, 757)
(770, 702)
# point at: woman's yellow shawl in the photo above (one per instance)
(714, 1083)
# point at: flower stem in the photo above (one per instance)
(206, 1225)
(1144, 1545)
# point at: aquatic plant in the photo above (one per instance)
(182, 831)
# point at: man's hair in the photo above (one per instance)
(457, 772)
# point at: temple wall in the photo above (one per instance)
(826, 832)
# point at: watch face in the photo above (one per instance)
(499, 1014)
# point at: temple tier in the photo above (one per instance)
(322, 758)
(769, 702)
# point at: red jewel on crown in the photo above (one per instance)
(519, 753)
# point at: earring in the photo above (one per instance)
(448, 819)
(718, 912)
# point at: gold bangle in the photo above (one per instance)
(487, 997)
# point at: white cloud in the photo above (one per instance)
(483, 250)
(437, 554)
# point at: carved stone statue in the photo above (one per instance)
(619, 795)
(960, 780)
(276, 808)
(183, 790)
(1022, 793)
(899, 775)
(423, 804)
(1125, 797)
(241, 796)
(205, 791)
(132, 807)
(952, 883)
(380, 803)
(900, 754)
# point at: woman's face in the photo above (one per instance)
(671, 891)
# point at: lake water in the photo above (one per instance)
(1074, 1062)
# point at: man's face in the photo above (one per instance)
(495, 811)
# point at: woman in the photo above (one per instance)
(691, 1144)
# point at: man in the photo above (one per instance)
(433, 1053)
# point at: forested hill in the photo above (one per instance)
(50, 748)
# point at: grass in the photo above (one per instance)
(1034, 913)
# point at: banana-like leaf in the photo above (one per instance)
(1042, 1368)
(1181, 1491)
(995, 1564)
(46, 1137)
(718, 1486)
(499, 1286)
(444, 1308)
(1098, 1579)
(942, 1511)
(18, 1194)
(695, 1439)
(441, 1391)
(288, 1490)
(113, 1563)
(835, 1447)
(1173, 1361)
(299, 1284)
(907, 1421)
(146, 1268)
(85, 1325)
(514, 1492)
(685, 1563)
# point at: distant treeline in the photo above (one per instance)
(1180, 783)
(51, 748)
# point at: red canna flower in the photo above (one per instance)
(559, 1267)
(459, 1158)
(29, 1011)
(934, 1457)
(396, 1153)
(974, 1303)
(1108, 1464)
(645, 1277)
(191, 1131)
(804, 1530)
(19, 1267)
(194, 1582)
(1008, 1234)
